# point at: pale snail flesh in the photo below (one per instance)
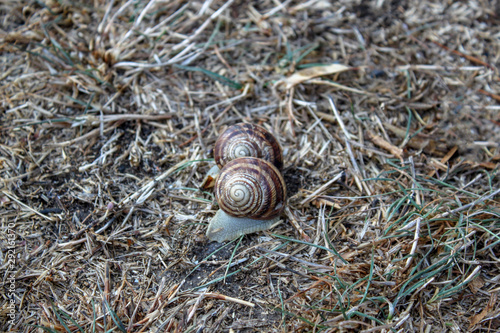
(247, 140)
(251, 194)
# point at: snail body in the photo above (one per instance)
(247, 140)
(251, 194)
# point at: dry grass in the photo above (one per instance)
(109, 113)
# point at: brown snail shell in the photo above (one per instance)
(247, 140)
(251, 194)
(250, 187)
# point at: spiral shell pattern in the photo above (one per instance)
(250, 187)
(247, 140)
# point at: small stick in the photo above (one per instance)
(229, 101)
(194, 137)
(290, 257)
(438, 68)
(326, 116)
(357, 170)
(221, 58)
(195, 306)
(339, 86)
(88, 135)
(466, 56)
(339, 120)
(27, 207)
(79, 241)
(230, 299)
(202, 26)
(416, 192)
(295, 223)
(444, 159)
(129, 116)
(348, 136)
(414, 245)
(494, 96)
(321, 188)
(150, 186)
(320, 123)
(382, 143)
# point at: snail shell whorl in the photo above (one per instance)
(250, 187)
(247, 140)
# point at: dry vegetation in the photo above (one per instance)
(110, 110)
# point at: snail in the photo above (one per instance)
(243, 140)
(251, 194)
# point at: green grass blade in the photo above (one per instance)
(115, 318)
(72, 320)
(222, 79)
(61, 321)
(94, 316)
(232, 256)
(46, 329)
(332, 250)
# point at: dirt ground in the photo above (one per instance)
(388, 113)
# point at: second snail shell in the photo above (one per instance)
(250, 187)
(247, 140)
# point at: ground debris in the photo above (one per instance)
(387, 113)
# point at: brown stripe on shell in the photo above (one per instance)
(265, 176)
(263, 144)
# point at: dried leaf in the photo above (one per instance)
(309, 73)
(488, 308)
(208, 182)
